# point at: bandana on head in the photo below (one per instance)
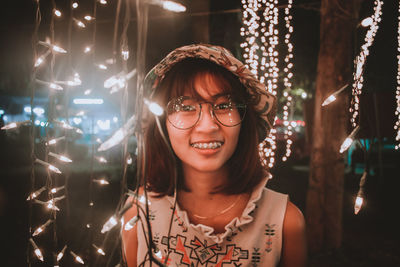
(265, 102)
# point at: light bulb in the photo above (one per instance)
(131, 223)
(109, 224)
(57, 12)
(173, 6)
(61, 254)
(77, 258)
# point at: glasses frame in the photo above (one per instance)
(201, 110)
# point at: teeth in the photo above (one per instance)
(211, 145)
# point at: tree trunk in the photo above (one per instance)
(326, 181)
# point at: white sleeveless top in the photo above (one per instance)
(254, 239)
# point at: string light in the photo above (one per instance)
(51, 85)
(360, 62)
(61, 254)
(155, 108)
(77, 258)
(57, 189)
(119, 135)
(102, 66)
(57, 12)
(103, 2)
(36, 193)
(101, 159)
(55, 140)
(75, 5)
(397, 112)
(41, 59)
(79, 23)
(41, 228)
(287, 82)
(99, 250)
(360, 195)
(36, 250)
(102, 181)
(14, 125)
(118, 81)
(332, 97)
(349, 140)
(48, 165)
(109, 224)
(60, 157)
(131, 223)
(54, 48)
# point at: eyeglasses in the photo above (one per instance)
(184, 112)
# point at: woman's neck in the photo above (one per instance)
(203, 184)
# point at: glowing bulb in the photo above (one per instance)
(75, 5)
(50, 205)
(103, 2)
(36, 193)
(57, 189)
(41, 228)
(55, 86)
(155, 108)
(173, 6)
(129, 160)
(80, 23)
(59, 49)
(77, 258)
(88, 18)
(60, 157)
(131, 223)
(358, 203)
(367, 22)
(99, 250)
(329, 100)
(102, 182)
(55, 140)
(61, 254)
(101, 159)
(349, 140)
(9, 126)
(57, 12)
(102, 66)
(87, 49)
(37, 251)
(54, 169)
(109, 224)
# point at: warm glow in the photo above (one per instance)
(109, 224)
(173, 6)
(329, 100)
(358, 203)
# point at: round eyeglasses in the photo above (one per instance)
(184, 112)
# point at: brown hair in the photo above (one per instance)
(245, 170)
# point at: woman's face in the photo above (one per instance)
(207, 146)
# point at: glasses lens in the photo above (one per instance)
(183, 112)
(227, 112)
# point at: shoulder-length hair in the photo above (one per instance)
(245, 169)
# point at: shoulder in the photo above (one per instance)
(294, 249)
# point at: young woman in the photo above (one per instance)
(208, 204)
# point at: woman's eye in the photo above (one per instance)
(223, 106)
(183, 107)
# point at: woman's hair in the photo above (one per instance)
(245, 169)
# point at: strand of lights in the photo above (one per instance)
(41, 59)
(48, 165)
(49, 204)
(113, 220)
(61, 253)
(287, 81)
(349, 140)
(36, 250)
(41, 228)
(332, 97)
(101, 181)
(250, 32)
(57, 189)
(36, 193)
(99, 250)
(79, 23)
(65, 125)
(76, 257)
(131, 223)
(60, 157)
(54, 48)
(360, 195)
(397, 112)
(360, 62)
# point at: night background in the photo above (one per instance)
(370, 238)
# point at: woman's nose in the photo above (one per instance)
(207, 119)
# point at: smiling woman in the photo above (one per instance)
(208, 204)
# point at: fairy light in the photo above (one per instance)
(155, 108)
(129, 159)
(75, 5)
(99, 250)
(36, 193)
(79, 23)
(101, 159)
(14, 125)
(397, 112)
(118, 81)
(287, 81)
(57, 189)
(87, 92)
(87, 49)
(102, 181)
(88, 18)
(103, 2)
(109, 224)
(76, 257)
(54, 48)
(55, 140)
(360, 63)
(360, 195)
(41, 228)
(57, 12)
(102, 66)
(349, 140)
(41, 59)
(36, 250)
(61, 253)
(51, 85)
(260, 55)
(173, 6)
(332, 97)
(60, 157)
(131, 223)
(367, 22)
(119, 135)
(48, 165)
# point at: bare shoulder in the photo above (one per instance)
(294, 244)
